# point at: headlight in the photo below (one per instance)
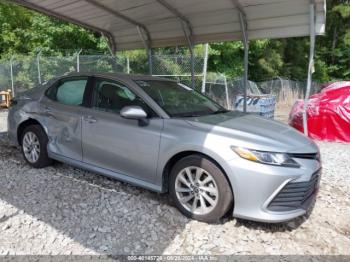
(270, 158)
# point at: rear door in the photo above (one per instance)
(125, 146)
(62, 108)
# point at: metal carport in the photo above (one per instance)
(131, 24)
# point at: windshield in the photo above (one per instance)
(178, 100)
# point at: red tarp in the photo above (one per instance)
(328, 113)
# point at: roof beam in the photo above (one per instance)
(123, 17)
(65, 18)
(148, 49)
(241, 13)
(242, 16)
(178, 15)
(239, 6)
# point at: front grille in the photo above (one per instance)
(295, 195)
(315, 156)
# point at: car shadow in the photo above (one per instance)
(101, 214)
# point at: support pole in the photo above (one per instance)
(205, 67)
(147, 44)
(186, 28)
(38, 66)
(112, 48)
(12, 80)
(311, 66)
(110, 45)
(188, 36)
(244, 26)
(78, 60)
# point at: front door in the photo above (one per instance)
(62, 108)
(121, 145)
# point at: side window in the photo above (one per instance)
(69, 92)
(113, 96)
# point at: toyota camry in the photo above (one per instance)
(166, 137)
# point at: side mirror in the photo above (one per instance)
(133, 112)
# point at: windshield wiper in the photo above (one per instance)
(220, 111)
(189, 115)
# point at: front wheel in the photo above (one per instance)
(33, 144)
(200, 189)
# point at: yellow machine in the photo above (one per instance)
(5, 98)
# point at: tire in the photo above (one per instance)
(40, 141)
(221, 200)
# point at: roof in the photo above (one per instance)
(207, 20)
(116, 76)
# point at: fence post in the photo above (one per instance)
(205, 65)
(38, 65)
(127, 65)
(78, 60)
(150, 60)
(226, 92)
(12, 80)
(282, 88)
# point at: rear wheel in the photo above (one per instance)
(200, 189)
(33, 144)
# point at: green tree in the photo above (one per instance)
(26, 32)
(334, 49)
(226, 58)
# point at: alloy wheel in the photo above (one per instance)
(31, 147)
(196, 190)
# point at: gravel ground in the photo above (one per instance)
(63, 210)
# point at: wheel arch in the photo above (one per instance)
(24, 124)
(176, 157)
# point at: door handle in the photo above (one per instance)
(48, 111)
(90, 119)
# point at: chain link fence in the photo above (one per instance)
(287, 91)
(29, 71)
(5, 76)
(178, 67)
(101, 64)
(224, 90)
(25, 73)
(280, 92)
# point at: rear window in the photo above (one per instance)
(68, 92)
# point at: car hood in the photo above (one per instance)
(254, 132)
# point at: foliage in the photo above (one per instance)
(226, 58)
(26, 32)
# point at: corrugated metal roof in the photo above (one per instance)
(209, 20)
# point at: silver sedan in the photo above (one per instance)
(166, 137)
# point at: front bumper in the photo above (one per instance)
(273, 194)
